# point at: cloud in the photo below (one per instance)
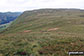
(22, 5)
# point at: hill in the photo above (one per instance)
(44, 32)
(6, 17)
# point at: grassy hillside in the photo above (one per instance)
(44, 32)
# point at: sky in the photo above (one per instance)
(23, 5)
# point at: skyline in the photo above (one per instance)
(23, 5)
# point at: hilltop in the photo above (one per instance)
(44, 32)
(48, 18)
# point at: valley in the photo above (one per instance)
(4, 26)
(7, 17)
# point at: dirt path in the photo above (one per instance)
(53, 29)
(27, 31)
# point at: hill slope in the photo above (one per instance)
(45, 32)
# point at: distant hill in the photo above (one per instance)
(6, 17)
(44, 32)
(48, 18)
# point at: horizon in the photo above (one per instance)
(23, 5)
(38, 9)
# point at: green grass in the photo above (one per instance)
(34, 33)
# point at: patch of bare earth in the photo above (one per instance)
(1, 55)
(53, 29)
(27, 31)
